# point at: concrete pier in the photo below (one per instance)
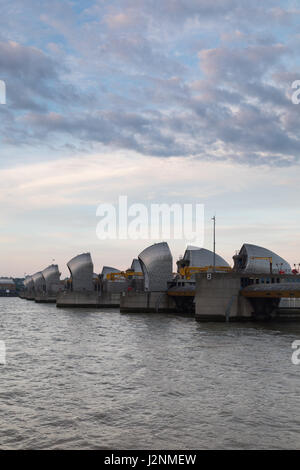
(147, 302)
(217, 298)
(242, 296)
(45, 299)
(88, 299)
(109, 300)
(78, 299)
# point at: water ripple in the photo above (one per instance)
(100, 380)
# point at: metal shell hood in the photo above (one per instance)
(28, 282)
(201, 257)
(81, 269)
(248, 260)
(156, 263)
(52, 277)
(136, 266)
(39, 282)
(107, 270)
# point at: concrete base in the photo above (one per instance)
(10, 294)
(286, 314)
(146, 302)
(45, 299)
(109, 300)
(78, 299)
(88, 299)
(289, 304)
(217, 298)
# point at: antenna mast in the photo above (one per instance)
(214, 263)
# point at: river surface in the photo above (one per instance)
(95, 379)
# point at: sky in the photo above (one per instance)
(173, 101)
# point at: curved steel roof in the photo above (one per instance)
(107, 270)
(28, 282)
(28, 285)
(247, 260)
(51, 275)
(136, 266)
(38, 281)
(156, 264)
(81, 269)
(201, 257)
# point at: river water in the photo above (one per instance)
(95, 379)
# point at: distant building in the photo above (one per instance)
(7, 287)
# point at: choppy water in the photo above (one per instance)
(98, 379)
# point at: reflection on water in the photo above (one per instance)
(98, 379)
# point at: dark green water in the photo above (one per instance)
(98, 379)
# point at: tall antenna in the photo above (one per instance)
(214, 262)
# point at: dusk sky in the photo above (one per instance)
(170, 101)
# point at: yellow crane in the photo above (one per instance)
(122, 274)
(188, 271)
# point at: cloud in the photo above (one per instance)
(88, 180)
(51, 206)
(134, 76)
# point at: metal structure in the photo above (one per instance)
(28, 285)
(197, 260)
(29, 291)
(39, 283)
(81, 269)
(278, 291)
(136, 266)
(107, 271)
(214, 243)
(122, 275)
(156, 263)
(256, 259)
(51, 276)
(189, 272)
(112, 274)
(113, 281)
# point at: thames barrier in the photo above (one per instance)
(260, 285)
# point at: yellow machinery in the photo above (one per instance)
(188, 271)
(123, 274)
